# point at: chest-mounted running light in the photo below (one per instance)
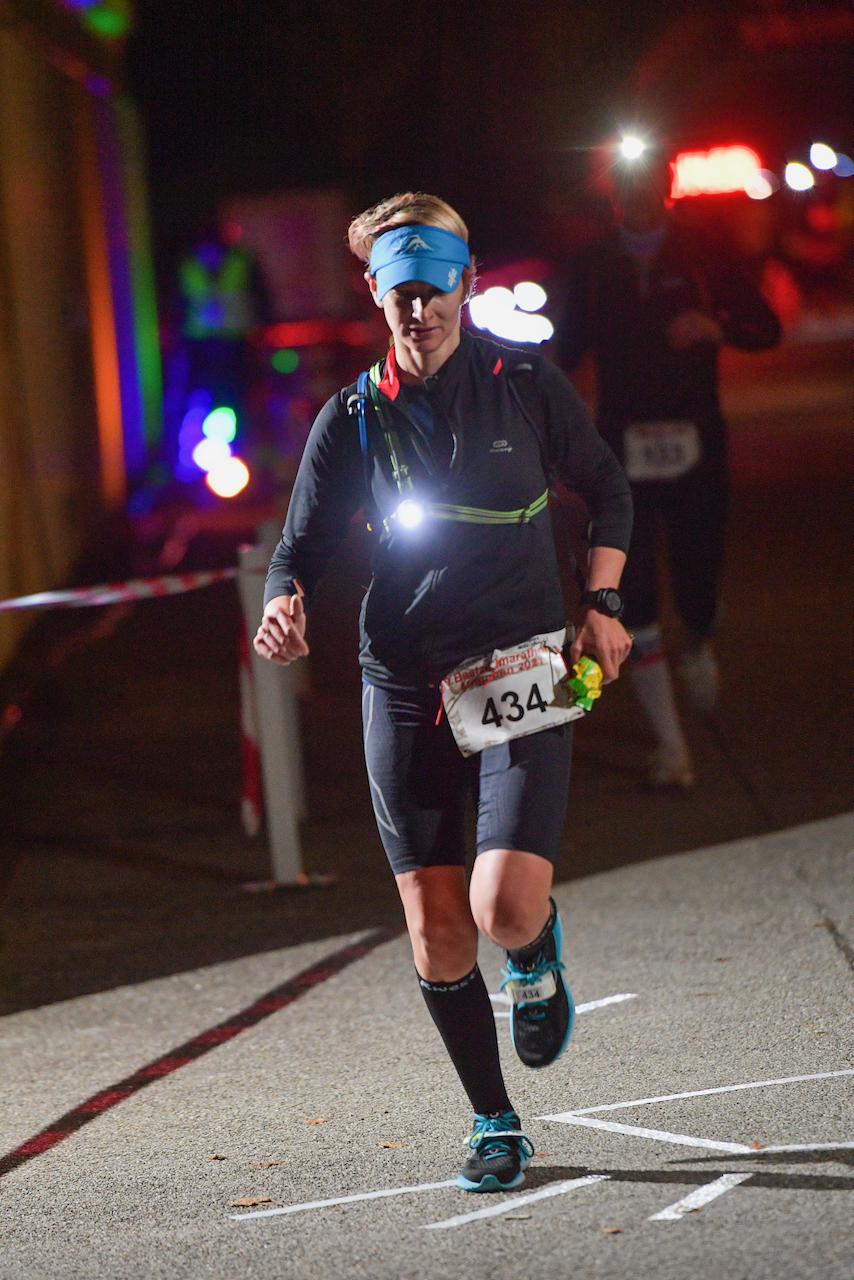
(409, 513)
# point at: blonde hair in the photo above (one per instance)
(400, 211)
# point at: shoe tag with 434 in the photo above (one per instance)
(531, 992)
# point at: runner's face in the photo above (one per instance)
(420, 316)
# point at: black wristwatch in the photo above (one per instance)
(606, 600)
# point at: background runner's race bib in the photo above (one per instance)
(509, 693)
(660, 450)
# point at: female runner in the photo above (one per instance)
(451, 455)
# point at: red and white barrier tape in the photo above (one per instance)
(116, 592)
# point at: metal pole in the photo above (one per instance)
(278, 730)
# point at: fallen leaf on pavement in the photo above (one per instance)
(516, 1217)
(248, 1201)
(823, 924)
(611, 1231)
(217, 1157)
(543, 1153)
(391, 1144)
(756, 1146)
(266, 1164)
(316, 1120)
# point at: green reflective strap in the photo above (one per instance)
(440, 510)
(478, 515)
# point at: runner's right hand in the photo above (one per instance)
(280, 636)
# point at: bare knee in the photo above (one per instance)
(508, 922)
(439, 921)
(510, 896)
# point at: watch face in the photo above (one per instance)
(612, 601)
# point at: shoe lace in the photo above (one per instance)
(493, 1136)
(534, 1008)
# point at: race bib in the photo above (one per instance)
(661, 450)
(510, 693)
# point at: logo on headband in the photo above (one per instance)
(452, 277)
(414, 242)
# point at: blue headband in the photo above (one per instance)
(418, 252)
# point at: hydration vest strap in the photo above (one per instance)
(368, 384)
(361, 389)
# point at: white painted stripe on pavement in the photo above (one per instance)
(600, 1004)
(660, 1135)
(494, 1210)
(700, 1093)
(809, 1146)
(703, 1195)
(324, 1204)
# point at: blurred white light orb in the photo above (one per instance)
(530, 296)
(210, 454)
(520, 326)
(822, 156)
(220, 424)
(632, 148)
(227, 479)
(488, 306)
(798, 177)
(499, 299)
(758, 187)
(410, 513)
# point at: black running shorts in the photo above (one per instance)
(420, 782)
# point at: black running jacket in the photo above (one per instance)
(449, 590)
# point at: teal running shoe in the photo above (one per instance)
(500, 1154)
(543, 1012)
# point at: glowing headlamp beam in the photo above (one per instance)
(409, 513)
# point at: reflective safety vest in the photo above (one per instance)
(218, 304)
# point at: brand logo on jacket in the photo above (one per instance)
(501, 446)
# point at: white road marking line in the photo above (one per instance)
(500, 998)
(703, 1195)
(809, 1146)
(494, 1210)
(700, 1093)
(324, 1204)
(659, 1135)
(600, 1004)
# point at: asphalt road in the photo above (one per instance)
(739, 963)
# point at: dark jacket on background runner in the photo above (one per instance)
(448, 590)
(622, 308)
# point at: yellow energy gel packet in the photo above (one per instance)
(586, 685)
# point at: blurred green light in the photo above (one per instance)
(220, 424)
(105, 20)
(284, 361)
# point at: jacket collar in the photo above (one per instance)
(390, 383)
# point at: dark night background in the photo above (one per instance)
(489, 103)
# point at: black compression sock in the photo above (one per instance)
(463, 1013)
(524, 957)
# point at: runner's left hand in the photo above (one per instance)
(604, 639)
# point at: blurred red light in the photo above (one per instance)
(697, 173)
